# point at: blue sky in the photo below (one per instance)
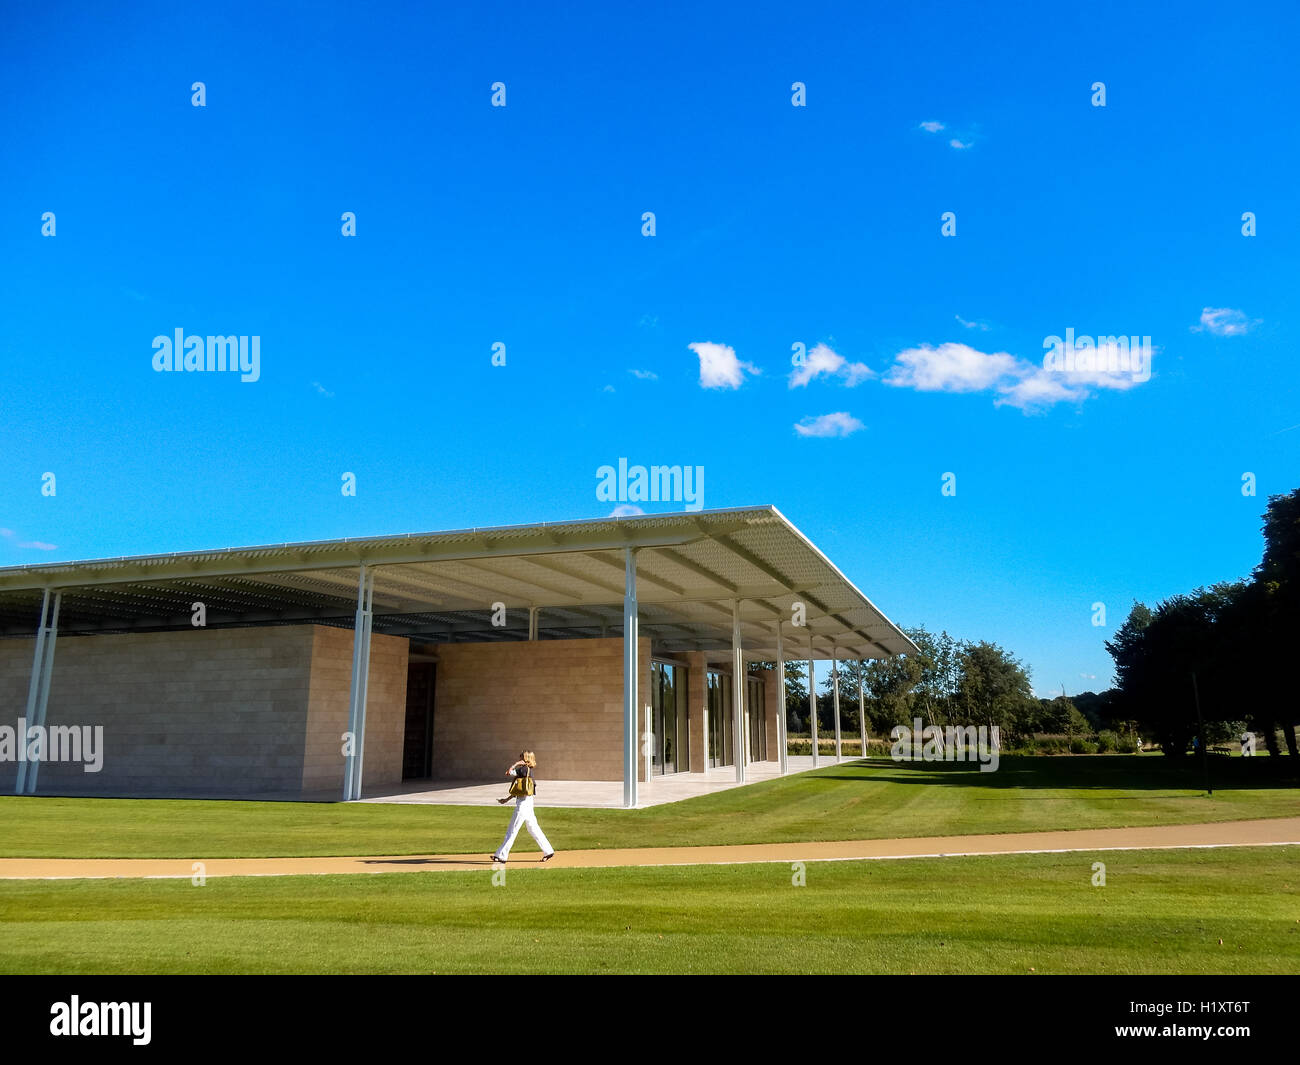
(775, 225)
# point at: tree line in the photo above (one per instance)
(1198, 667)
(1213, 661)
(947, 682)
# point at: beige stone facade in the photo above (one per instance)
(327, 710)
(773, 706)
(223, 712)
(697, 701)
(261, 712)
(562, 699)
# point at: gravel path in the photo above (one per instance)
(1271, 832)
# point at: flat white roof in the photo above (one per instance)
(439, 587)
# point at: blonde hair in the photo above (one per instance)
(529, 759)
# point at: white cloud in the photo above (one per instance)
(959, 142)
(1108, 365)
(644, 375)
(608, 388)
(1222, 322)
(841, 423)
(719, 367)
(823, 361)
(951, 368)
(1015, 382)
(38, 545)
(1039, 388)
(322, 390)
(625, 510)
(983, 327)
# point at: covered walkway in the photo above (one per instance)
(229, 670)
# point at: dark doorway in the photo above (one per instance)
(417, 751)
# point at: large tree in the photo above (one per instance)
(994, 689)
(1235, 639)
(1274, 622)
(1167, 658)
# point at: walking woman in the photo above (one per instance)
(522, 789)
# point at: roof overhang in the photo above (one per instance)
(440, 587)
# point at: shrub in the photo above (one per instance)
(1107, 740)
(1082, 746)
(1224, 731)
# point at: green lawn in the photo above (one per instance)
(880, 799)
(1160, 912)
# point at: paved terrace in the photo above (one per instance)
(672, 787)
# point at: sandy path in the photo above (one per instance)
(1271, 832)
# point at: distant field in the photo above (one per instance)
(862, 800)
(1190, 911)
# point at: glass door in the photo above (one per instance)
(720, 720)
(681, 686)
(668, 691)
(757, 713)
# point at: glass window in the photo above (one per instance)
(715, 720)
(728, 724)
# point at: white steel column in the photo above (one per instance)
(47, 671)
(33, 695)
(631, 674)
(38, 692)
(365, 688)
(835, 687)
(360, 683)
(738, 731)
(862, 709)
(812, 698)
(704, 711)
(780, 699)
